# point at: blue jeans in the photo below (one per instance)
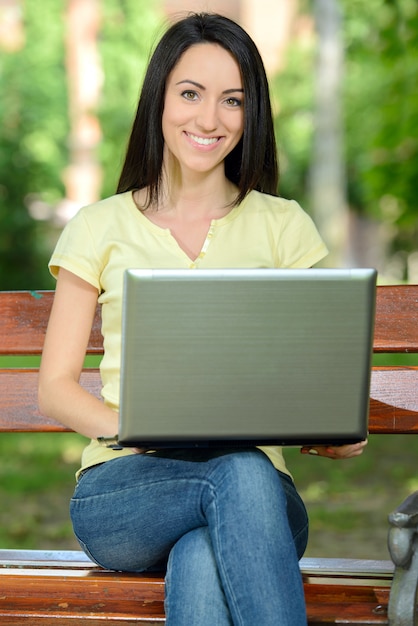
(228, 528)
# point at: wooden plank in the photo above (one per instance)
(77, 592)
(393, 405)
(355, 569)
(19, 399)
(23, 321)
(59, 618)
(396, 325)
(60, 559)
(394, 400)
(68, 594)
(67, 584)
(313, 569)
(24, 316)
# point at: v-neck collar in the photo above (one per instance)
(166, 232)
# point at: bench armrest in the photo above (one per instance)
(403, 548)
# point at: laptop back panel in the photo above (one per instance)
(246, 357)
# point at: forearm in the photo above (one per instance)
(60, 395)
(67, 402)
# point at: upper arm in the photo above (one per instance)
(69, 327)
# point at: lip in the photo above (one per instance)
(203, 142)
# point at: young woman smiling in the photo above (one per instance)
(198, 189)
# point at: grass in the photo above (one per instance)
(36, 482)
(348, 501)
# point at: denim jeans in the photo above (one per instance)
(225, 524)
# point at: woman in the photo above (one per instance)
(198, 189)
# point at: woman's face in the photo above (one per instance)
(203, 117)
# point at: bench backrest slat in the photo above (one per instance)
(24, 316)
(396, 326)
(19, 404)
(23, 320)
(393, 405)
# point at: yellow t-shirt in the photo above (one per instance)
(107, 237)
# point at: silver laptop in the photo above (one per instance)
(246, 357)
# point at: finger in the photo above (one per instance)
(307, 450)
(314, 450)
(336, 452)
(346, 452)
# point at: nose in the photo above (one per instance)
(207, 118)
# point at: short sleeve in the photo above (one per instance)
(75, 252)
(300, 244)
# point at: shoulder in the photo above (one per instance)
(256, 200)
(273, 208)
(95, 221)
(85, 240)
(113, 205)
(295, 238)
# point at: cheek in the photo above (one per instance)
(239, 123)
(174, 112)
(240, 127)
(171, 125)
(168, 125)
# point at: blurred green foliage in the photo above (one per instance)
(33, 135)
(35, 126)
(380, 109)
(129, 30)
(380, 101)
(382, 113)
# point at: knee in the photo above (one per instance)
(249, 467)
(247, 480)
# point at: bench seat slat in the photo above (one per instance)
(63, 559)
(319, 615)
(45, 558)
(40, 617)
(124, 596)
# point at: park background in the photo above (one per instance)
(343, 77)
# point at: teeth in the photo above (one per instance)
(203, 141)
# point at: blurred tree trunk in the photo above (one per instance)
(327, 179)
(12, 32)
(82, 178)
(270, 25)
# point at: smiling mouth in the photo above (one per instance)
(203, 141)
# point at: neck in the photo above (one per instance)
(200, 194)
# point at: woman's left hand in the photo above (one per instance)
(336, 452)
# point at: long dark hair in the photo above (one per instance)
(252, 164)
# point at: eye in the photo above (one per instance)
(189, 95)
(233, 102)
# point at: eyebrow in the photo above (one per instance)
(199, 86)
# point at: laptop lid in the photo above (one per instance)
(246, 357)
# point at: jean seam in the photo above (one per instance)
(220, 562)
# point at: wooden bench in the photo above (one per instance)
(65, 587)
